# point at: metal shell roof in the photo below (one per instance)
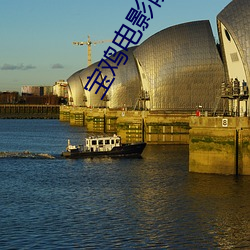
(181, 67)
(236, 18)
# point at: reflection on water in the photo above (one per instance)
(148, 203)
(224, 201)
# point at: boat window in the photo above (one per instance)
(100, 142)
(112, 142)
(107, 142)
(117, 141)
(93, 142)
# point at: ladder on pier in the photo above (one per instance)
(142, 98)
(217, 101)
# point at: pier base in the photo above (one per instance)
(219, 145)
(132, 126)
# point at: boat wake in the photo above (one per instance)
(26, 154)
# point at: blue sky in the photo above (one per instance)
(36, 35)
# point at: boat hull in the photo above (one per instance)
(126, 150)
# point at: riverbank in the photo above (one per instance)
(25, 111)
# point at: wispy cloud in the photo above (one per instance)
(21, 66)
(57, 66)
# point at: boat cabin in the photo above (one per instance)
(105, 143)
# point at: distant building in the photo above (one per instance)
(60, 89)
(9, 97)
(37, 90)
(30, 90)
(39, 95)
(47, 90)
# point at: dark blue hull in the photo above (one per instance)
(131, 150)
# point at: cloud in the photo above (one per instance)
(29, 67)
(7, 66)
(57, 66)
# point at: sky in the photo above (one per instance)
(36, 35)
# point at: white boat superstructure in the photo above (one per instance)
(103, 143)
(97, 144)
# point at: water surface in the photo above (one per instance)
(148, 203)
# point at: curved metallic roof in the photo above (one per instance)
(123, 92)
(180, 67)
(77, 95)
(93, 100)
(126, 88)
(236, 18)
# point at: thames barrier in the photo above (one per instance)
(174, 75)
(179, 86)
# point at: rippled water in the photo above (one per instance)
(148, 203)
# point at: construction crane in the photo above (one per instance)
(89, 43)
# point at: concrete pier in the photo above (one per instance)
(132, 126)
(219, 145)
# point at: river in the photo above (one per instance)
(48, 202)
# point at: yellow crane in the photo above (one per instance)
(89, 43)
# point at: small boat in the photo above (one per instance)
(96, 146)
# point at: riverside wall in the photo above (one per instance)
(26, 111)
(219, 145)
(132, 126)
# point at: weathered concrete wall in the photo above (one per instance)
(77, 118)
(219, 145)
(244, 151)
(111, 121)
(64, 114)
(132, 126)
(94, 120)
(166, 129)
